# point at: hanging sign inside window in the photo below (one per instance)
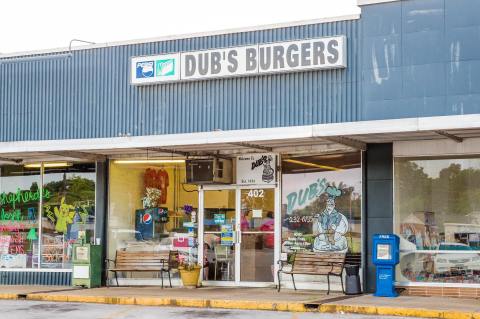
(226, 238)
(257, 169)
(312, 54)
(219, 219)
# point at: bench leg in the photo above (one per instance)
(169, 278)
(293, 280)
(278, 276)
(328, 281)
(116, 277)
(161, 275)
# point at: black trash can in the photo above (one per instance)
(352, 282)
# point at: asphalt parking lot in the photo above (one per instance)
(16, 309)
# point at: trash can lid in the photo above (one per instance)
(352, 266)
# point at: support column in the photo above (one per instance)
(378, 202)
(101, 208)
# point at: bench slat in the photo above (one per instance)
(142, 257)
(311, 263)
(319, 261)
(140, 260)
(139, 264)
(136, 269)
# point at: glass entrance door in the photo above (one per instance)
(238, 234)
(257, 233)
(219, 226)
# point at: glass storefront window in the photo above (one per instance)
(65, 203)
(321, 203)
(19, 221)
(437, 216)
(151, 209)
(68, 213)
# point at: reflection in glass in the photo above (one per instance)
(219, 227)
(321, 203)
(151, 209)
(258, 237)
(68, 212)
(19, 207)
(437, 214)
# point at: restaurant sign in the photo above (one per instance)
(280, 57)
(257, 169)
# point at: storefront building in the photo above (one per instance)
(239, 147)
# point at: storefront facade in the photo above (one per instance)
(326, 132)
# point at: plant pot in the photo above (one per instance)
(190, 276)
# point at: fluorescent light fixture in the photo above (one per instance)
(151, 161)
(312, 165)
(48, 165)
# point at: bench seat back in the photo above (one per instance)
(318, 263)
(141, 260)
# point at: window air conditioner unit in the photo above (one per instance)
(209, 171)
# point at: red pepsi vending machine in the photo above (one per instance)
(149, 222)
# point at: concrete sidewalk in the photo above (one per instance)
(254, 299)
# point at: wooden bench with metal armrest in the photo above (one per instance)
(144, 261)
(310, 263)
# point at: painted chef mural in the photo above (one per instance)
(331, 225)
(321, 212)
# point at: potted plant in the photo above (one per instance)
(190, 273)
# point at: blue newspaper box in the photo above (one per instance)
(386, 251)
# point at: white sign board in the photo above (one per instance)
(4, 244)
(13, 261)
(312, 54)
(256, 169)
(81, 271)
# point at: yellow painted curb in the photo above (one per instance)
(332, 308)
(197, 303)
(8, 296)
(256, 305)
(409, 312)
(152, 301)
(457, 315)
(396, 311)
(253, 305)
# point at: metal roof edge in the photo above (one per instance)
(183, 36)
(367, 2)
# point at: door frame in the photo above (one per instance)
(277, 232)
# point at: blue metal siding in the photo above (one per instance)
(420, 58)
(86, 94)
